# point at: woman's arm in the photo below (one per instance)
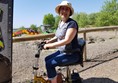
(54, 39)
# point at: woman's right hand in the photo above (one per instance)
(47, 41)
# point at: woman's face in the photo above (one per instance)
(64, 13)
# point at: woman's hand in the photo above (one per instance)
(52, 40)
(48, 46)
(47, 41)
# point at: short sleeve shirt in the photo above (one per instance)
(61, 32)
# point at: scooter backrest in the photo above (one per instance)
(81, 43)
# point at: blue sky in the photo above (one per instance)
(27, 12)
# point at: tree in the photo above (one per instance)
(110, 6)
(76, 17)
(49, 19)
(109, 14)
(22, 28)
(92, 19)
(102, 19)
(57, 19)
(115, 18)
(83, 20)
(33, 27)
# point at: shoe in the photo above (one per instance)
(48, 81)
(59, 78)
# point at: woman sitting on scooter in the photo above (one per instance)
(66, 36)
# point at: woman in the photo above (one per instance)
(66, 36)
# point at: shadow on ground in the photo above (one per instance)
(99, 80)
(101, 60)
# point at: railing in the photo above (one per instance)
(85, 31)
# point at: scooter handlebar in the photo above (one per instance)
(41, 45)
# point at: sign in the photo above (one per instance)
(6, 26)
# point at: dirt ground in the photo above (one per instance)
(101, 65)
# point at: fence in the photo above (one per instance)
(84, 32)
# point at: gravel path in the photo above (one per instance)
(101, 67)
(102, 72)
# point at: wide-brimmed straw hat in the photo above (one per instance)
(64, 3)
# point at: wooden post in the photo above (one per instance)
(116, 32)
(85, 53)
